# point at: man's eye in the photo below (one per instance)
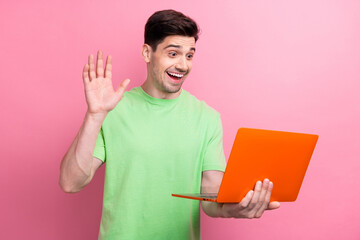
(190, 56)
(172, 54)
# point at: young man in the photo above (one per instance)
(156, 139)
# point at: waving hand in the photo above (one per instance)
(99, 92)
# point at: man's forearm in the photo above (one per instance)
(212, 209)
(76, 165)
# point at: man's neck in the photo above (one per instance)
(151, 90)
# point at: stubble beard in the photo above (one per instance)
(169, 88)
(174, 89)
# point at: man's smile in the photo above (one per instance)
(175, 75)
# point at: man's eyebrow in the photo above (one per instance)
(177, 46)
(172, 45)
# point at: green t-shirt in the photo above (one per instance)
(153, 148)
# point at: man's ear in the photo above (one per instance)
(146, 52)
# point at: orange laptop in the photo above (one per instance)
(282, 157)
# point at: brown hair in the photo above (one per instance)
(166, 23)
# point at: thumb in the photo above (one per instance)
(273, 205)
(121, 89)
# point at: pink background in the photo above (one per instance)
(281, 65)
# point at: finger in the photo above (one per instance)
(85, 74)
(273, 205)
(261, 199)
(120, 91)
(256, 195)
(108, 67)
(246, 200)
(92, 68)
(99, 65)
(268, 194)
(266, 198)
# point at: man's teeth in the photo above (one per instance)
(176, 74)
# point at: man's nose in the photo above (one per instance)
(181, 65)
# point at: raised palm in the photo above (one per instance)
(99, 92)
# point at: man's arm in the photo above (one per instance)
(252, 205)
(78, 166)
(210, 183)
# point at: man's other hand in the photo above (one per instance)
(254, 204)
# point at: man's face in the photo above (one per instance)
(171, 63)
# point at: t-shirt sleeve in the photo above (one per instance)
(214, 158)
(99, 151)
